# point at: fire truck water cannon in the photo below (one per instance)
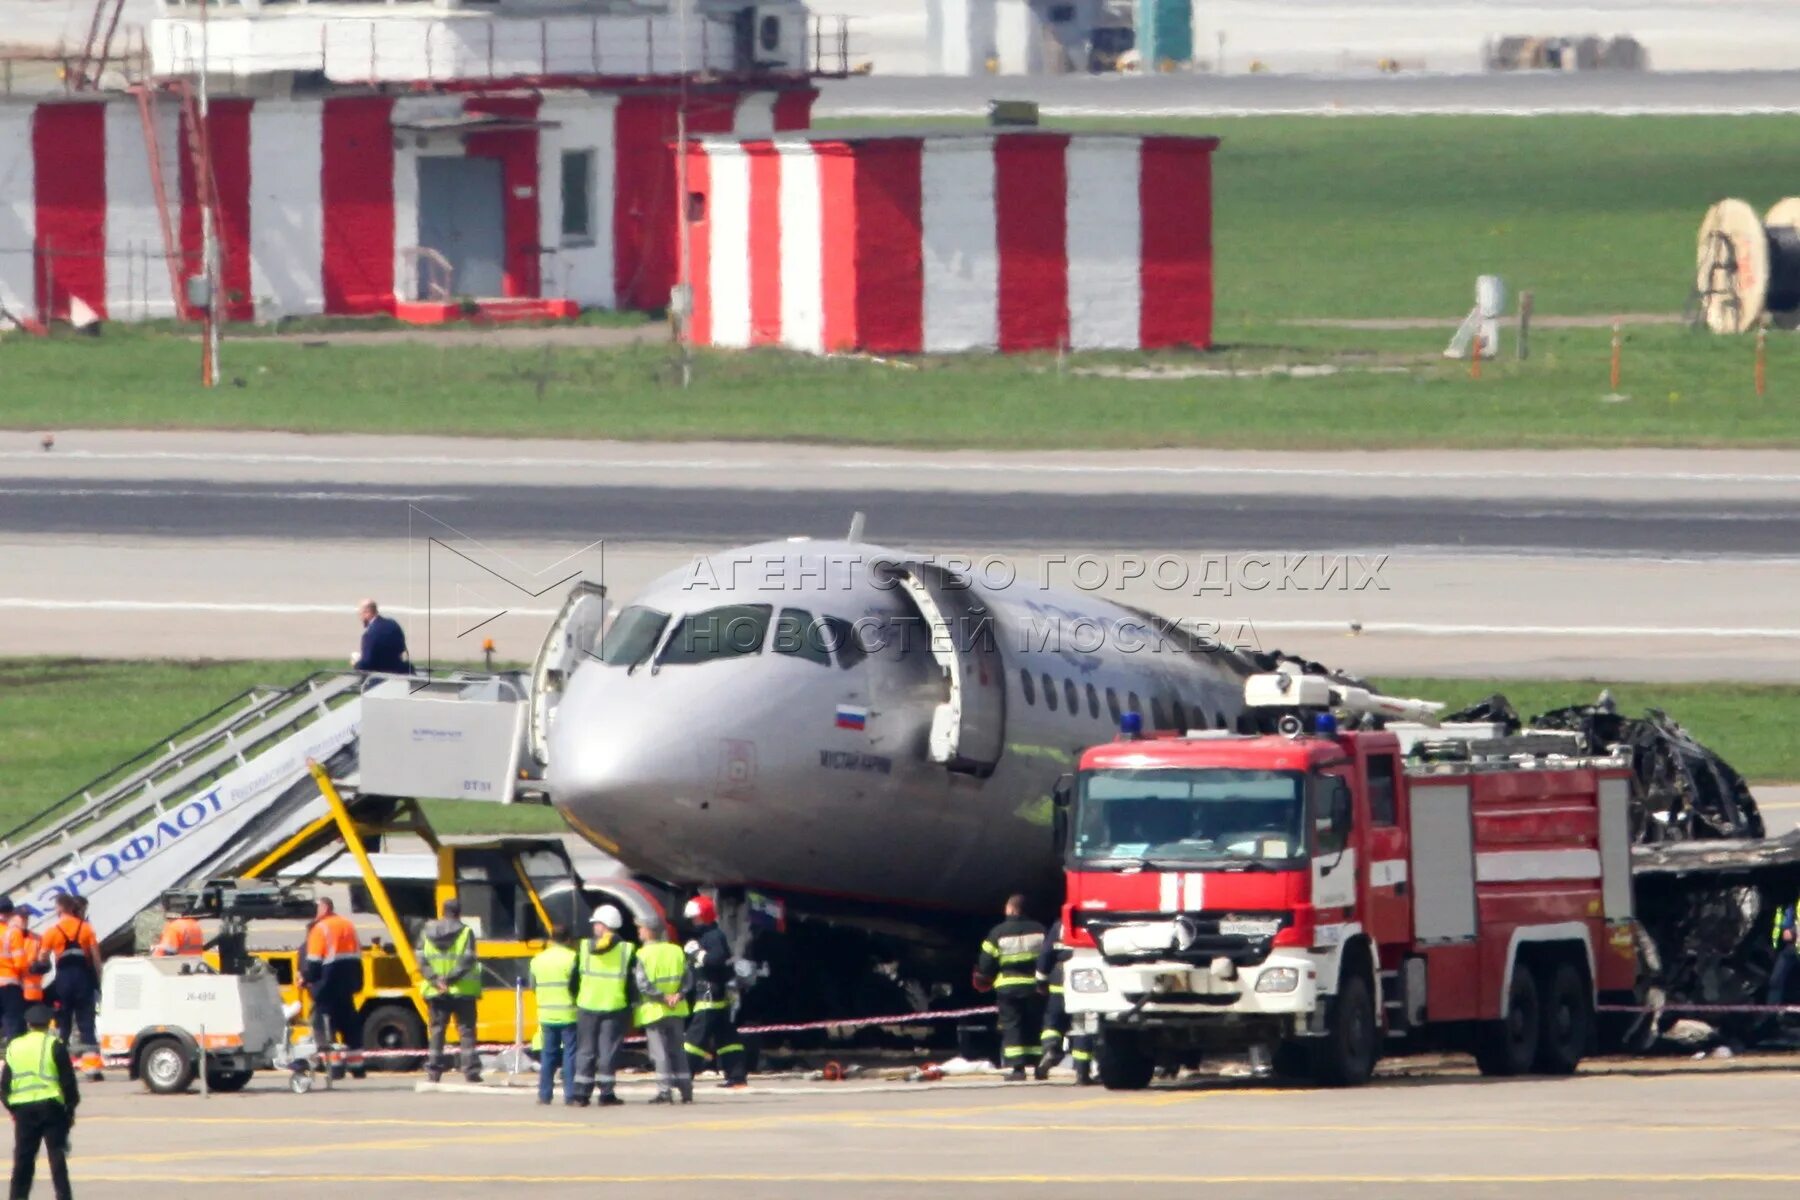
(1309, 697)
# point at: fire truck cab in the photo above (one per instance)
(1328, 897)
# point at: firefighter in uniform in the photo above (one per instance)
(71, 946)
(1785, 955)
(333, 972)
(1056, 1017)
(1008, 968)
(182, 937)
(602, 1006)
(712, 1036)
(40, 1091)
(452, 989)
(554, 977)
(663, 982)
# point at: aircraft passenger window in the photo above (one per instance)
(1220, 718)
(841, 640)
(1027, 686)
(797, 634)
(1198, 715)
(1071, 697)
(1158, 717)
(1180, 716)
(1093, 702)
(1112, 705)
(729, 632)
(1049, 692)
(1131, 703)
(631, 637)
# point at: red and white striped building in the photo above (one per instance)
(319, 197)
(1010, 241)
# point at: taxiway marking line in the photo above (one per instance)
(711, 465)
(1370, 628)
(870, 1178)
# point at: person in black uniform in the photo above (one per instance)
(1056, 1017)
(1008, 968)
(712, 1036)
(383, 644)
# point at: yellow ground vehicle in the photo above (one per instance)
(512, 891)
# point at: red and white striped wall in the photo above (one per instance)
(318, 197)
(1010, 242)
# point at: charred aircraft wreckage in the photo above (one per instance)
(1708, 880)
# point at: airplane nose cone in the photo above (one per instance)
(597, 751)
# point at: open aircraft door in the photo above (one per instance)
(574, 636)
(968, 729)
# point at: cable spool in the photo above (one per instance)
(1745, 267)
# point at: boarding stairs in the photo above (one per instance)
(198, 803)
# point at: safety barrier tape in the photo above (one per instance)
(1698, 1008)
(800, 1027)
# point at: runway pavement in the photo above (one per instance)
(1632, 564)
(1645, 1129)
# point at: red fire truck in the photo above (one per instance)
(1322, 898)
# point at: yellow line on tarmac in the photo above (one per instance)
(195, 1153)
(1289, 1127)
(1097, 1180)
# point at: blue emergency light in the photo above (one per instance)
(1325, 724)
(1131, 725)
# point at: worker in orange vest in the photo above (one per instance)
(333, 972)
(30, 949)
(181, 938)
(12, 988)
(74, 952)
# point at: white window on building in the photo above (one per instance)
(578, 197)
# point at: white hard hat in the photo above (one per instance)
(609, 916)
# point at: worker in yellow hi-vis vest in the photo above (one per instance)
(40, 1091)
(452, 989)
(663, 981)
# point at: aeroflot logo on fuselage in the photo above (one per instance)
(140, 847)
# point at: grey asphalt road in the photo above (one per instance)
(1533, 93)
(1650, 1129)
(1638, 564)
(732, 516)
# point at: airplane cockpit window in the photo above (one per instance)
(632, 635)
(1027, 686)
(797, 634)
(729, 632)
(841, 640)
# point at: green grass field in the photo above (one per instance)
(64, 721)
(1315, 218)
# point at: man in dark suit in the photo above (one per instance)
(383, 644)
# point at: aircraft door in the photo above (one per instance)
(573, 638)
(968, 729)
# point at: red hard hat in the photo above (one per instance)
(701, 909)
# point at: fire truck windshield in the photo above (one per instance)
(1202, 817)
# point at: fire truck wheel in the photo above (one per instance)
(1508, 1046)
(1126, 1063)
(1347, 1053)
(1568, 1020)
